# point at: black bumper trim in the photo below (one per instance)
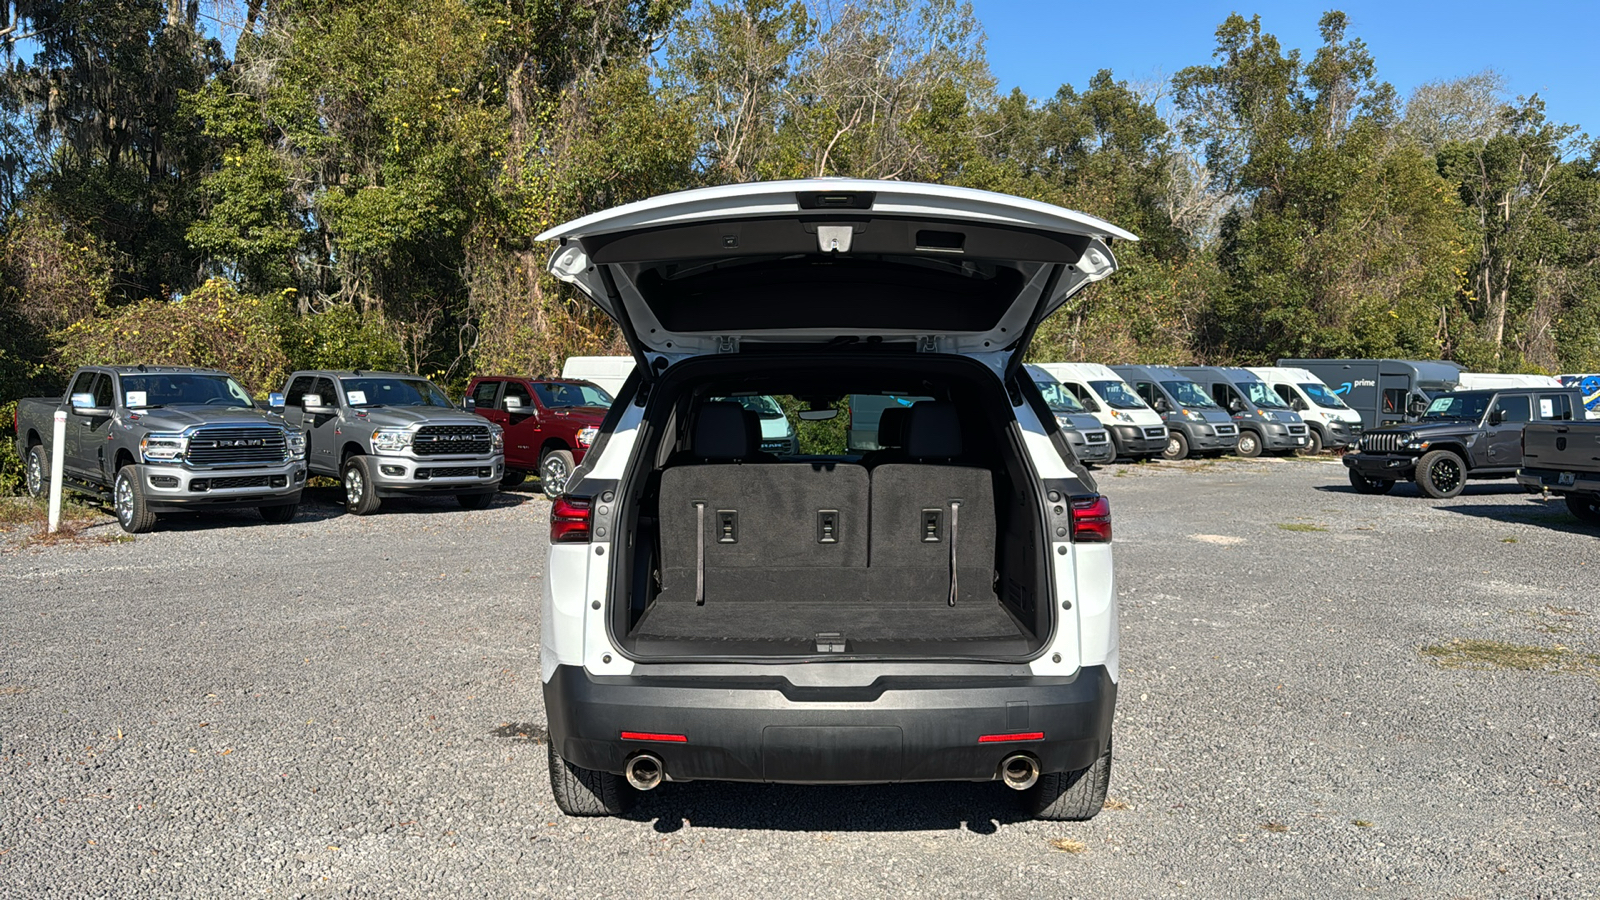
(1384, 467)
(763, 729)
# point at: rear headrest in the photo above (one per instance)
(932, 431)
(752, 431)
(720, 432)
(892, 426)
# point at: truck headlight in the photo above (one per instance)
(391, 440)
(497, 438)
(163, 448)
(297, 444)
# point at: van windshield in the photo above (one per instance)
(1118, 395)
(1058, 398)
(1189, 395)
(1261, 395)
(1321, 396)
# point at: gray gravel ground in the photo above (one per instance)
(343, 706)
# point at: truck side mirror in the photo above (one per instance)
(1496, 416)
(313, 405)
(468, 404)
(83, 405)
(275, 400)
(512, 404)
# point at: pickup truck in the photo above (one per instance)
(1563, 457)
(549, 424)
(156, 439)
(387, 434)
(1460, 435)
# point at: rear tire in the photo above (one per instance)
(1313, 445)
(1072, 796)
(586, 792)
(38, 472)
(279, 515)
(555, 467)
(1177, 446)
(1441, 474)
(1365, 485)
(1249, 445)
(474, 501)
(360, 491)
(1586, 507)
(128, 499)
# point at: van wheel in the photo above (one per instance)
(360, 493)
(1313, 442)
(586, 792)
(1365, 485)
(513, 477)
(127, 496)
(278, 515)
(38, 472)
(1249, 445)
(554, 470)
(1586, 507)
(1177, 446)
(1072, 796)
(474, 501)
(1441, 474)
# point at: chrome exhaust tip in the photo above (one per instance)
(645, 771)
(1019, 771)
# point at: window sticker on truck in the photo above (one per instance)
(358, 397)
(136, 399)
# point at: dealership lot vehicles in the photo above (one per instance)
(156, 439)
(386, 434)
(1383, 391)
(1091, 443)
(1266, 423)
(1196, 425)
(1562, 456)
(548, 424)
(1137, 431)
(1461, 435)
(938, 610)
(1330, 423)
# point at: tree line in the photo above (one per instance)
(359, 184)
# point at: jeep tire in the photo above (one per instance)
(1441, 474)
(360, 490)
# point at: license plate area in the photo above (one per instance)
(1566, 479)
(862, 754)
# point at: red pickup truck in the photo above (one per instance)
(549, 423)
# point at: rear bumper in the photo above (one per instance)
(763, 729)
(1382, 466)
(1561, 481)
(174, 488)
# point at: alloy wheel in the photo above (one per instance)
(354, 487)
(1445, 474)
(35, 475)
(554, 475)
(124, 500)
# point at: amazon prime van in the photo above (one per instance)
(1383, 391)
(1196, 425)
(1330, 423)
(1137, 431)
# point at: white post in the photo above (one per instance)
(58, 449)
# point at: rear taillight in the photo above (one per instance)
(569, 520)
(1091, 520)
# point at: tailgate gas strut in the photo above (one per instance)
(1014, 364)
(629, 335)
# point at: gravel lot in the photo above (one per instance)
(352, 706)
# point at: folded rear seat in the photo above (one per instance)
(733, 530)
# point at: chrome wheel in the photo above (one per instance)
(35, 474)
(553, 474)
(124, 500)
(355, 487)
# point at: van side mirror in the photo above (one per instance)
(275, 400)
(313, 405)
(83, 405)
(512, 404)
(1417, 407)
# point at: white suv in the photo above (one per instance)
(922, 594)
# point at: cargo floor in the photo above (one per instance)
(982, 622)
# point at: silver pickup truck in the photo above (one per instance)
(386, 434)
(155, 439)
(1564, 458)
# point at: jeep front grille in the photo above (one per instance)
(438, 440)
(1382, 442)
(237, 447)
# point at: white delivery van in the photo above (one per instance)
(1331, 423)
(1495, 381)
(607, 371)
(1137, 431)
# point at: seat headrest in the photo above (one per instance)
(752, 431)
(932, 431)
(892, 426)
(721, 432)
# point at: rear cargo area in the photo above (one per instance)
(918, 546)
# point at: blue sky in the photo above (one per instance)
(1548, 48)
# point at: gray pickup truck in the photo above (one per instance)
(1563, 457)
(386, 434)
(155, 439)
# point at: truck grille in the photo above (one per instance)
(237, 447)
(1227, 430)
(1297, 429)
(437, 440)
(1157, 433)
(1095, 437)
(1382, 442)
